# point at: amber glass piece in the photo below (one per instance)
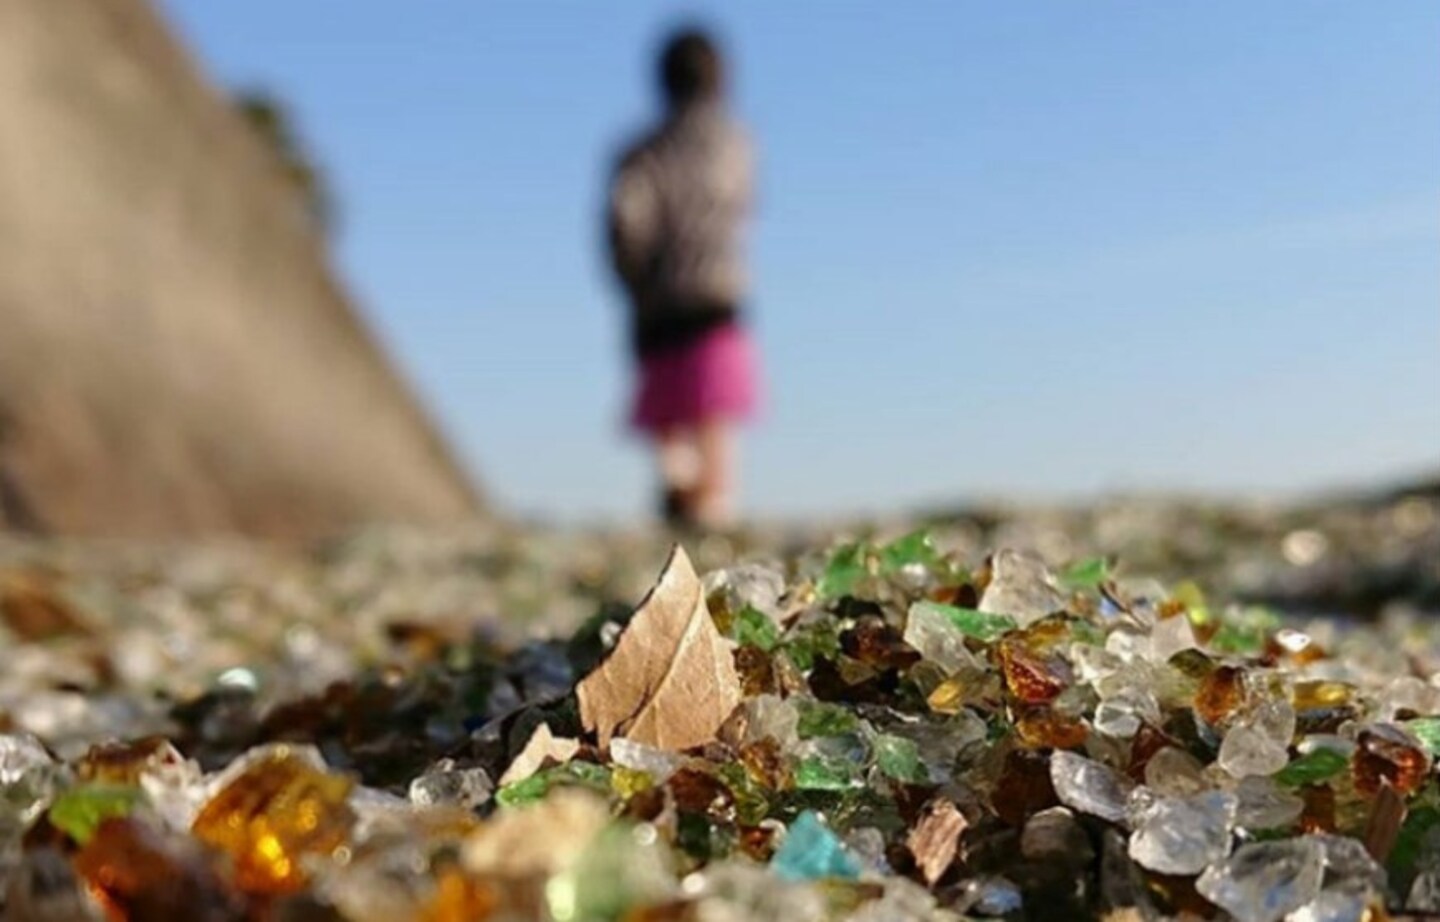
(276, 811)
(135, 872)
(949, 697)
(1384, 754)
(1170, 608)
(876, 643)
(756, 670)
(1294, 647)
(766, 764)
(1321, 694)
(1031, 678)
(945, 595)
(1321, 707)
(459, 898)
(1044, 728)
(1220, 695)
(1023, 788)
(124, 763)
(1045, 634)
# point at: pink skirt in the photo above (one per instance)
(711, 377)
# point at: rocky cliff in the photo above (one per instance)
(175, 355)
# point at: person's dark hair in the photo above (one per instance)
(690, 67)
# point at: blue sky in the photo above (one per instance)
(1039, 249)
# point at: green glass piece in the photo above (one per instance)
(899, 758)
(1235, 638)
(913, 549)
(79, 811)
(577, 772)
(812, 852)
(981, 625)
(617, 870)
(817, 718)
(1400, 864)
(805, 643)
(1427, 730)
(1089, 634)
(580, 772)
(1245, 631)
(843, 572)
(817, 774)
(524, 791)
(754, 628)
(1318, 766)
(1086, 574)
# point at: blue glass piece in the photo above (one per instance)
(811, 851)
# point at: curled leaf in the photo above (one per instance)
(670, 681)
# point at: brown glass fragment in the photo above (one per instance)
(1319, 812)
(1023, 788)
(1148, 740)
(1031, 678)
(1220, 695)
(766, 764)
(124, 762)
(696, 791)
(1046, 728)
(756, 671)
(136, 872)
(876, 643)
(1387, 815)
(1385, 755)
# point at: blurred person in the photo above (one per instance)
(677, 205)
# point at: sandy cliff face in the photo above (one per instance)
(175, 356)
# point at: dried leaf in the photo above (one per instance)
(543, 746)
(935, 839)
(670, 681)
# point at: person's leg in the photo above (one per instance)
(715, 486)
(677, 458)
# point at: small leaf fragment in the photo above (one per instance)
(542, 747)
(935, 839)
